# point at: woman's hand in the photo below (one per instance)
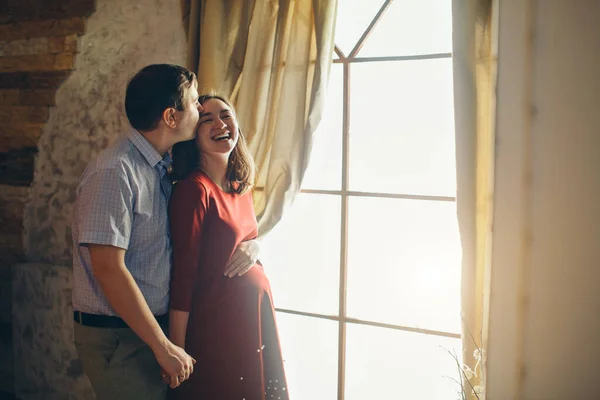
(244, 257)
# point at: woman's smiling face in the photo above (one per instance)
(218, 128)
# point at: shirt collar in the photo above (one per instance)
(167, 161)
(149, 152)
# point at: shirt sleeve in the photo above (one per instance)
(187, 210)
(105, 209)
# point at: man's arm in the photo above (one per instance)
(123, 294)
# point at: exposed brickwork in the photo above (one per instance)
(37, 62)
(21, 135)
(38, 45)
(40, 97)
(31, 10)
(33, 80)
(36, 56)
(47, 28)
(9, 97)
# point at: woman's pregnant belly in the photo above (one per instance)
(255, 279)
(214, 291)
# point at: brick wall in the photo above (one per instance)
(38, 46)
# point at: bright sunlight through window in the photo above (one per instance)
(365, 266)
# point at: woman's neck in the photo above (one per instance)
(216, 169)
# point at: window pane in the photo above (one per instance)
(302, 255)
(404, 263)
(353, 17)
(417, 27)
(389, 364)
(310, 350)
(325, 167)
(402, 127)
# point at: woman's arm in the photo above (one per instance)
(178, 321)
(186, 215)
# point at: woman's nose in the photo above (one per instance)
(219, 123)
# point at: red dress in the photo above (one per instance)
(231, 331)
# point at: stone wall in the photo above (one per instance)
(46, 363)
(38, 47)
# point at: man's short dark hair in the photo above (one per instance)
(152, 90)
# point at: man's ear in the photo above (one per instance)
(169, 117)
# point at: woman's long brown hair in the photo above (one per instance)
(241, 170)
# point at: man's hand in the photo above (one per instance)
(244, 257)
(176, 364)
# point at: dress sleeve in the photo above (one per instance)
(186, 214)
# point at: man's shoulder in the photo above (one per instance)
(116, 155)
(119, 158)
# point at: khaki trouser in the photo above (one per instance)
(118, 364)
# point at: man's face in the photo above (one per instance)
(188, 118)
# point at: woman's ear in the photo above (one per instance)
(169, 117)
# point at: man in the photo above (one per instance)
(121, 244)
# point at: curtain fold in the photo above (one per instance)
(272, 59)
(474, 62)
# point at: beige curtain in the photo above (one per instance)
(474, 94)
(272, 59)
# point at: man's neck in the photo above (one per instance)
(159, 139)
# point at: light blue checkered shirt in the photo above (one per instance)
(122, 201)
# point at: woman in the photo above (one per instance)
(223, 318)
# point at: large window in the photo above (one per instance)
(365, 266)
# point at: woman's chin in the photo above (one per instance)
(222, 148)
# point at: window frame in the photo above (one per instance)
(345, 194)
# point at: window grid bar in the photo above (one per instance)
(353, 193)
(371, 323)
(369, 29)
(348, 60)
(344, 236)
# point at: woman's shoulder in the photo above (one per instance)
(194, 184)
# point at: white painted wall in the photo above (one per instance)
(544, 318)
